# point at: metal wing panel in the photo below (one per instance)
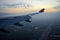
(6, 22)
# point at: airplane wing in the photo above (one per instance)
(15, 20)
(42, 10)
(12, 15)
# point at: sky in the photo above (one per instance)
(15, 6)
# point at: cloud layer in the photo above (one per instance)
(57, 7)
(17, 5)
(33, 4)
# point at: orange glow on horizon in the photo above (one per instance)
(52, 10)
(17, 10)
(35, 8)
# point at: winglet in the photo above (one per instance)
(42, 10)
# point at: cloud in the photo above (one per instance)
(15, 4)
(31, 4)
(18, 5)
(57, 7)
(58, 0)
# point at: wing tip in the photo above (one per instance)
(42, 10)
